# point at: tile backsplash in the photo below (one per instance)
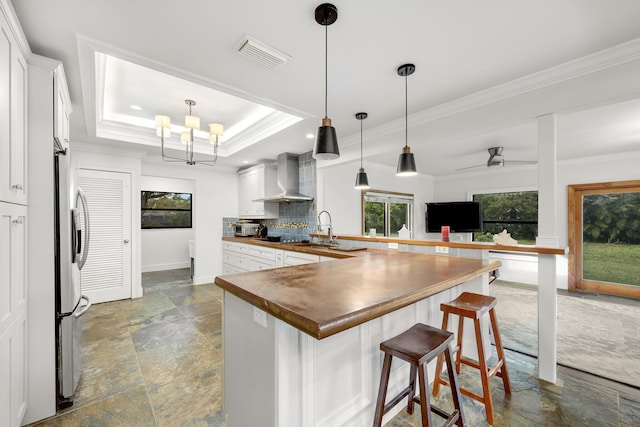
(296, 220)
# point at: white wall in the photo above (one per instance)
(215, 196)
(166, 248)
(337, 195)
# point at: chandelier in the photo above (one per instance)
(191, 123)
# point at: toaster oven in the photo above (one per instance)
(245, 229)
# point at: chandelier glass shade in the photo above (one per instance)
(191, 123)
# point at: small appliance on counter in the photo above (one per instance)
(245, 229)
(262, 231)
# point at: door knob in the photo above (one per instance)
(126, 240)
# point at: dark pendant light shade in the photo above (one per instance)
(362, 182)
(406, 162)
(326, 145)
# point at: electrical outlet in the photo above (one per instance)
(393, 245)
(442, 249)
(260, 317)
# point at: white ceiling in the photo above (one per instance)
(484, 71)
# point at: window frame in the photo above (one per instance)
(143, 210)
(575, 237)
(387, 223)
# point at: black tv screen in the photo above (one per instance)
(461, 217)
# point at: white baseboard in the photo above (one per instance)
(161, 267)
(203, 280)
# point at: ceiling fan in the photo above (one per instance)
(497, 160)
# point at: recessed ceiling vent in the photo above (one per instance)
(262, 53)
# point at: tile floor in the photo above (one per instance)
(152, 361)
(157, 361)
(597, 333)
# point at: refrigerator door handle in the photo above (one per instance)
(84, 309)
(85, 211)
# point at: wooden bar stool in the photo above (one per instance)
(418, 345)
(473, 306)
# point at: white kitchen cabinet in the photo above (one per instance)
(13, 313)
(255, 183)
(241, 257)
(13, 118)
(234, 258)
(299, 258)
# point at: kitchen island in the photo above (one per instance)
(301, 344)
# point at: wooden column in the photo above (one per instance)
(547, 236)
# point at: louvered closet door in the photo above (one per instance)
(106, 275)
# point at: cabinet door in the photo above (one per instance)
(13, 310)
(252, 185)
(247, 182)
(13, 113)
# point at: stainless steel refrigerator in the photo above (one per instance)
(71, 251)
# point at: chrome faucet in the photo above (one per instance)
(330, 228)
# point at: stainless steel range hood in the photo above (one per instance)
(288, 183)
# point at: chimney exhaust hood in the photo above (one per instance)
(288, 181)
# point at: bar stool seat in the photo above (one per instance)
(418, 345)
(474, 306)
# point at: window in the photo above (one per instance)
(516, 212)
(386, 212)
(165, 210)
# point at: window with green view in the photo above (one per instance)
(516, 212)
(165, 210)
(386, 212)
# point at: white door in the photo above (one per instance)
(106, 275)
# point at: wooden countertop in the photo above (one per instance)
(488, 246)
(325, 298)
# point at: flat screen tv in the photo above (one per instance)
(461, 217)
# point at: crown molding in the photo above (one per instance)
(6, 8)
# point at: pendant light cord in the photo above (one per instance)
(406, 112)
(326, 55)
(361, 143)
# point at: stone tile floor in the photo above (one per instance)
(597, 333)
(157, 361)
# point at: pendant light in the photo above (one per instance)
(362, 182)
(406, 162)
(326, 146)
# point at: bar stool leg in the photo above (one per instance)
(455, 388)
(382, 391)
(412, 392)
(458, 349)
(486, 391)
(425, 405)
(504, 374)
(437, 381)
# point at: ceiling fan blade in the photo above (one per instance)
(471, 167)
(522, 162)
